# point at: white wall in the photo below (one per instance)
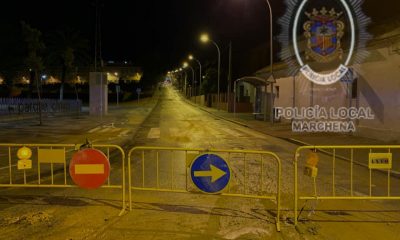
(308, 94)
(379, 88)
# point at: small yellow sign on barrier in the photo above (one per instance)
(24, 154)
(51, 155)
(310, 171)
(24, 164)
(380, 161)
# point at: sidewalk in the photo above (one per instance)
(284, 130)
(116, 127)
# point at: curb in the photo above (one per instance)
(223, 118)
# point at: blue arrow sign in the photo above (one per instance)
(210, 173)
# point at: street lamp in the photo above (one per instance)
(186, 65)
(205, 39)
(183, 75)
(198, 62)
(271, 67)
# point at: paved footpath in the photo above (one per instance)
(284, 131)
(117, 127)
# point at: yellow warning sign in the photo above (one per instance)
(24, 164)
(24, 154)
(311, 169)
(51, 155)
(312, 159)
(380, 161)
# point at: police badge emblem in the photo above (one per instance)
(324, 32)
(334, 41)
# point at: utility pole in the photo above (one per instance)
(229, 75)
(97, 37)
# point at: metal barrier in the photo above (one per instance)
(54, 163)
(167, 164)
(359, 161)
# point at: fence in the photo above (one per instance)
(163, 169)
(27, 105)
(363, 172)
(351, 179)
(48, 167)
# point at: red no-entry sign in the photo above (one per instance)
(89, 168)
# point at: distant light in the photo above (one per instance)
(204, 38)
(110, 61)
(180, 69)
(190, 57)
(44, 76)
(25, 80)
(116, 74)
(185, 65)
(126, 62)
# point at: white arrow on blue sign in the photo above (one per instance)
(210, 173)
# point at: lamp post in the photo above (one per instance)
(198, 62)
(186, 65)
(271, 66)
(205, 38)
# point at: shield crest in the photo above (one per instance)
(324, 32)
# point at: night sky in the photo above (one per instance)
(160, 34)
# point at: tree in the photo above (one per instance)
(66, 49)
(34, 46)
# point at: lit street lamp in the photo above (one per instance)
(205, 39)
(193, 58)
(186, 65)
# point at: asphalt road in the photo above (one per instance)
(78, 214)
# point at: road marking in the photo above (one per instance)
(94, 130)
(234, 133)
(124, 133)
(252, 133)
(113, 130)
(105, 130)
(154, 133)
(89, 168)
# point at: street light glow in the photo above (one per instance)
(185, 65)
(204, 38)
(190, 57)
